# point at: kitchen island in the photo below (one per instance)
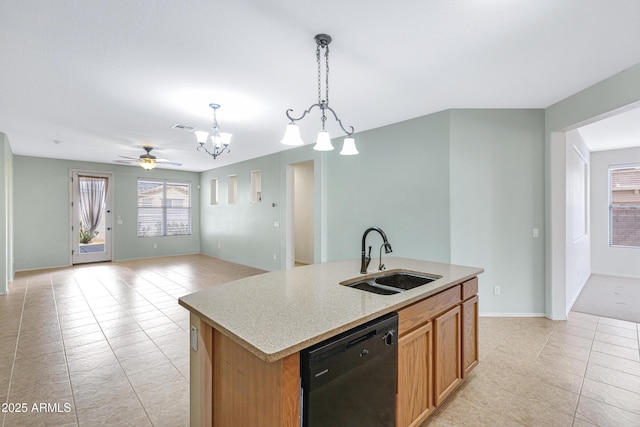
(246, 336)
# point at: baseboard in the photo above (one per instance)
(621, 276)
(481, 314)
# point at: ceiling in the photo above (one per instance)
(620, 130)
(92, 81)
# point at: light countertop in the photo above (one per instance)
(279, 313)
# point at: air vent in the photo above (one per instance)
(183, 127)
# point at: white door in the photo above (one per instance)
(91, 218)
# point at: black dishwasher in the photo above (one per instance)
(350, 380)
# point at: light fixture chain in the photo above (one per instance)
(319, 73)
(326, 70)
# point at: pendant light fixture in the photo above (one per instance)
(323, 141)
(220, 140)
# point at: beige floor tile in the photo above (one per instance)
(497, 376)
(556, 377)
(37, 392)
(618, 323)
(615, 350)
(155, 377)
(560, 338)
(565, 350)
(613, 377)
(614, 362)
(571, 329)
(80, 340)
(614, 330)
(617, 340)
(165, 396)
(132, 364)
(614, 396)
(485, 396)
(528, 412)
(563, 364)
(601, 414)
(118, 412)
(460, 412)
(87, 350)
(583, 316)
(175, 415)
(549, 396)
(32, 418)
(97, 393)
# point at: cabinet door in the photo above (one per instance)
(469, 335)
(447, 353)
(414, 401)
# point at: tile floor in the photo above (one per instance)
(107, 344)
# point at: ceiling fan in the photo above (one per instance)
(147, 161)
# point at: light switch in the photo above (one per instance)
(276, 223)
(536, 233)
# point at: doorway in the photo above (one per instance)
(300, 226)
(91, 238)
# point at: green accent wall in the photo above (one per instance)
(459, 186)
(497, 199)
(42, 207)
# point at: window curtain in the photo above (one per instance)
(93, 192)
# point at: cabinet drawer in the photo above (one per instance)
(469, 288)
(422, 311)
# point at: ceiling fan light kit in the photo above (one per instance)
(323, 141)
(147, 161)
(220, 141)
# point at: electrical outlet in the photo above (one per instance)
(155, 246)
(496, 290)
(275, 257)
(194, 338)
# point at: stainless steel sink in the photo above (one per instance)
(390, 283)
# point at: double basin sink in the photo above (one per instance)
(390, 283)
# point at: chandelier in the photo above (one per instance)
(220, 140)
(323, 141)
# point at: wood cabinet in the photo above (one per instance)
(469, 335)
(437, 349)
(447, 352)
(414, 400)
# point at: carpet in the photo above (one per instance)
(615, 297)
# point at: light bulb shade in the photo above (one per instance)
(147, 164)
(201, 136)
(323, 142)
(292, 135)
(349, 147)
(225, 138)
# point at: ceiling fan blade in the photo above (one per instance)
(126, 162)
(130, 158)
(167, 162)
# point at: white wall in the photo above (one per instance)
(577, 235)
(6, 213)
(303, 212)
(612, 261)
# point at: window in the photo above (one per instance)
(624, 206)
(214, 191)
(256, 187)
(233, 189)
(164, 208)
